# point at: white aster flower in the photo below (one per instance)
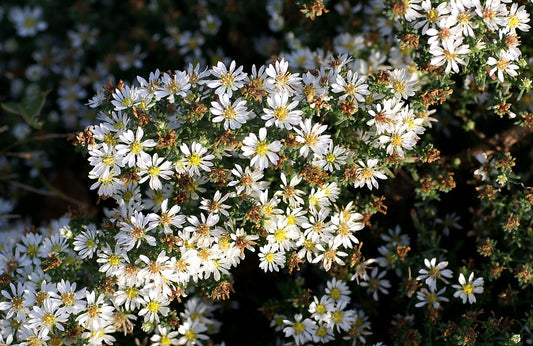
(466, 289)
(261, 152)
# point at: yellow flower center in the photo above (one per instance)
(335, 293)
(229, 113)
(68, 298)
(136, 147)
(270, 257)
(299, 327)
(468, 289)
(153, 171)
(153, 307)
(330, 158)
(227, 80)
(320, 309)
(261, 148)
(190, 335)
(281, 113)
(194, 159)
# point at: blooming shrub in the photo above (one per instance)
(317, 178)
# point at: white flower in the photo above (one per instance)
(403, 84)
(281, 113)
(280, 80)
(431, 298)
(310, 135)
(334, 158)
(169, 217)
(466, 289)
(155, 168)
(196, 159)
(86, 243)
(367, 174)
(131, 147)
(260, 151)
(154, 305)
(227, 80)
(502, 64)
(125, 98)
(301, 330)
(353, 87)
(27, 20)
(450, 54)
(248, 181)
(172, 86)
(433, 272)
(192, 333)
(233, 115)
(271, 259)
(517, 19)
(376, 283)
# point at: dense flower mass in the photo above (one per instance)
(317, 171)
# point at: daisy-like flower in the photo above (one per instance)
(155, 168)
(192, 333)
(517, 19)
(196, 159)
(367, 174)
(107, 186)
(131, 147)
(48, 317)
(154, 304)
(96, 313)
(399, 139)
(86, 242)
(111, 260)
(289, 194)
(431, 15)
(385, 115)
(329, 254)
(302, 330)
(164, 337)
(312, 139)
(261, 152)
(233, 115)
(228, 80)
(320, 308)
(430, 297)
(125, 98)
(14, 305)
(135, 231)
(281, 113)
(353, 87)
(216, 205)
(27, 20)
(493, 13)
(501, 65)
(203, 230)
(169, 217)
(376, 283)
(172, 86)
(271, 259)
(450, 54)
(403, 85)
(359, 328)
(282, 235)
(462, 14)
(334, 158)
(105, 160)
(280, 80)
(466, 289)
(433, 272)
(248, 181)
(72, 301)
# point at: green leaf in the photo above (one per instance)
(29, 108)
